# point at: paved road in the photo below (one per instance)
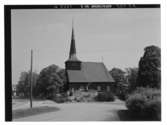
(80, 112)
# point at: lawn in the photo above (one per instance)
(19, 113)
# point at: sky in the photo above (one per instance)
(116, 37)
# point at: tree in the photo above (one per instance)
(117, 74)
(120, 88)
(49, 82)
(131, 77)
(63, 76)
(149, 74)
(23, 86)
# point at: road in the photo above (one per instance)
(102, 111)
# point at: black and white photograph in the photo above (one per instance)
(99, 62)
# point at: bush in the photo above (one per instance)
(60, 98)
(104, 96)
(145, 102)
(82, 96)
(135, 102)
(122, 94)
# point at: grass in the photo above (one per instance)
(19, 113)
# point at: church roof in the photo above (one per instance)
(90, 72)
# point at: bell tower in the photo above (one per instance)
(73, 63)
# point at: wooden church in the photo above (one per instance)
(86, 75)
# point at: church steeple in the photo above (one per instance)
(73, 63)
(72, 54)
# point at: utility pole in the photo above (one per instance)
(31, 66)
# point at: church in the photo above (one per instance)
(86, 75)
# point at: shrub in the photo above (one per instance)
(104, 96)
(122, 94)
(82, 96)
(153, 108)
(145, 102)
(135, 102)
(60, 98)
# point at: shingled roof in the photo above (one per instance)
(90, 72)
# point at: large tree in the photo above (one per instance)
(23, 86)
(149, 74)
(49, 82)
(63, 76)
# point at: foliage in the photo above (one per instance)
(145, 101)
(120, 86)
(23, 86)
(60, 98)
(122, 94)
(105, 96)
(117, 74)
(131, 77)
(83, 96)
(63, 76)
(149, 74)
(49, 82)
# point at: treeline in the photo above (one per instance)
(50, 81)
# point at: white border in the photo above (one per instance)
(163, 48)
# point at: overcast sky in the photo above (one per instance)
(115, 36)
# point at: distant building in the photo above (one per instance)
(86, 75)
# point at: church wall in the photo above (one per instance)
(95, 86)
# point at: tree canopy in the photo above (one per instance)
(23, 86)
(120, 86)
(49, 82)
(149, 74)
(131, 76)
(117, 74)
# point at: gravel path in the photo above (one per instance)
(106, 111)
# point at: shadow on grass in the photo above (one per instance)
(19, 113)
(126, 115)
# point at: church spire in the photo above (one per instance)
(72, 54)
